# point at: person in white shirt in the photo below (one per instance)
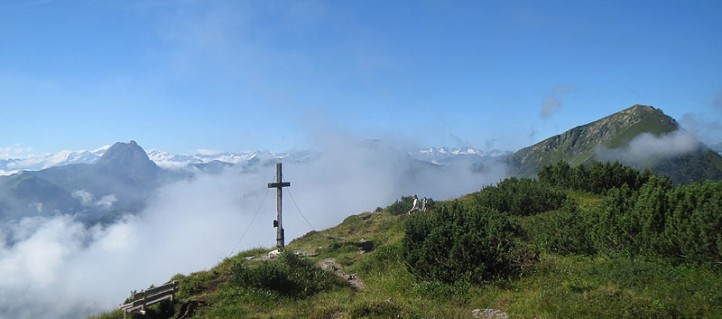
(415, 207)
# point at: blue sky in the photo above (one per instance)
(247, 75)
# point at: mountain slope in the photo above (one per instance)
(366, 250)
(640, 136)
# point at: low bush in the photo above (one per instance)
(289, 275)
(683, 223)
(564, 231)
(457, 243)
(596, 178)
(521, 197)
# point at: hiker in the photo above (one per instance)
(415, 207)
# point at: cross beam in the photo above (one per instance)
(279, 185)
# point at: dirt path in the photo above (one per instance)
(332, 266)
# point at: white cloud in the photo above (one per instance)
(106, 201)
(88, 199)
(85, 197)
(646, 149)
(15, 152)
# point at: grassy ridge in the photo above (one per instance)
(369, 246)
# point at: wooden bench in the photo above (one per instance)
(144, 298)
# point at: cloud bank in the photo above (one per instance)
(647, 149)
(60, 268)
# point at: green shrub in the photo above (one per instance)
(693, 225)
(521, 197)
(457, 243)
(401, 206)
(615, 229)
(596, 178)
(564, 231)
(681, 223)
(289, 275)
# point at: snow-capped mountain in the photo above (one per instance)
(204, 159)
(447, 155)
(194, 162)
(214, 160)
(117, 182)
(34, 163)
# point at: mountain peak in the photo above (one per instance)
(129, 155)
(639, 108)
(616, 132)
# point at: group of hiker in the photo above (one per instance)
(415, 206)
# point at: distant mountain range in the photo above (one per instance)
(447, 155)
(118, 181)
(640, 136)
(214, 161)
(10, 166)
(101, 185)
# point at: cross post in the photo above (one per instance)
(278, 223)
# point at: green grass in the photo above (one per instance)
(555, 287)
(584, 287)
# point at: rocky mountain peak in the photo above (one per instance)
(129, 157)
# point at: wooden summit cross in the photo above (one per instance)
(279, 185)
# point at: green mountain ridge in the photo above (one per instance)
(582, 145)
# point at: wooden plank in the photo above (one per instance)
(154, 290)
(276, 185)
(141, 304)
(151, 296)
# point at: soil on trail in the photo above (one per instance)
(332, 266)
